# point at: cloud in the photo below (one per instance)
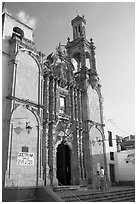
(25, 18)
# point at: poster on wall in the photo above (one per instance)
(25, 158)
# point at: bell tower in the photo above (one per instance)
(81, 53)
(78, 25)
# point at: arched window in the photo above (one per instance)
(75, 32)
(79, 30)
(18, 32)
(88, 60)
(88, 63)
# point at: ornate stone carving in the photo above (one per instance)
(93, 78)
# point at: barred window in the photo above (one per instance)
(62, 104)
(112, 156)
(110, 138)
(25, 149)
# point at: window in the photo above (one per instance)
(110, 138)
(18, 32)
(88, 63)
(75, 65)
(62, 104)
(25, 149)
(112, 156)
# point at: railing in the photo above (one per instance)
(67, 188)
(24, 180)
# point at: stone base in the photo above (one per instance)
(55, 182)
(83, 182)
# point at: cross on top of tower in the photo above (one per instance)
(77, 11)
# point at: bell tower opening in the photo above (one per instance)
(63, 164)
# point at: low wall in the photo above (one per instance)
(45, 193)
(20, 194)
(27, 194)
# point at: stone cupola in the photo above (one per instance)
(78, 24)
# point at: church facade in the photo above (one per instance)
(53, 127)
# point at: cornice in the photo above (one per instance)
(75, 42)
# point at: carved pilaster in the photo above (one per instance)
(51, 132)
(75, 106)
(69, 101)
(45, 128)
(54, 180)
(51, 99)
(75, 142)
(86, 150)
(46, 98)
(80, 133)
(46, 166)
(72, 103)
(55, 99)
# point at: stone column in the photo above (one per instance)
(74, 157)
(72, 103)
(76, 140)
(55, 98)
(51, 133)
(50, 130)
(86, 150)
(55, 181)
(72, 126)
(45, 129)
(80, 134)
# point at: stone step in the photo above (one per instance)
(117, 195)
(70, 188)
(109, 198)
(100, 199)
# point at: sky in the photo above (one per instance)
(112, 27)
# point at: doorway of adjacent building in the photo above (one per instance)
(63, 164)
(112, 173)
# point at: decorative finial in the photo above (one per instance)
(77, 11)
(68, 39)
(91, 40)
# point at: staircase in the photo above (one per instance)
(83, 194)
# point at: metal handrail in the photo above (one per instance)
(69, 191)
(13, 176)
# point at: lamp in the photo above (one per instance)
(28, 127)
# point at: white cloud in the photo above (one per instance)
(25, 18)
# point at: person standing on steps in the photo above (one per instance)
(98, 181)
(102, 179)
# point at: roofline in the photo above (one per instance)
(5, 12)
(78, 18)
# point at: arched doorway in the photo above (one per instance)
(63, 164)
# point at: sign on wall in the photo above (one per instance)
(25, 158)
